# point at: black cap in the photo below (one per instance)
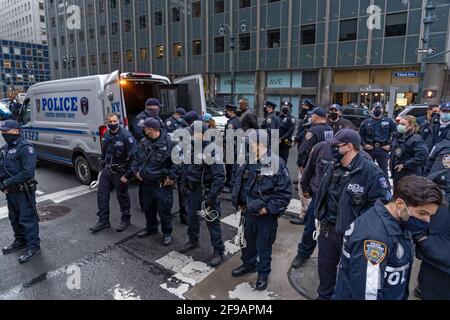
(270, 104)
(198, 124)
(441, 178)
(320, 112)
(346, 136)
(231, 107)
(152, 102)
(181, 111)
(152, 123)
(191, 116)
(309, 103)
(9, 125)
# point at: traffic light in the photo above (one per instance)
(430, 94)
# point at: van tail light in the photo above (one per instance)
(102, 130)
(125, 122)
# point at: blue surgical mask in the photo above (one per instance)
(402, 129)
(415, 226)
(445, 116)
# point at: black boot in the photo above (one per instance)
(242, 271)
(298, 262)
(100, 226)
(189, 246)
(184, 218)
(146, 233)
(262, 283)
(29, 255)
(216, 260)
(124, 224)
(15, 246)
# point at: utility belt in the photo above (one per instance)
(159, 182)
(117, 168)
(379, 144)
(192, 186)
(286, 142)
(30, 185)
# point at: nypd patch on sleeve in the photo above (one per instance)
(375, 251)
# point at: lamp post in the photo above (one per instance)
(224, 29)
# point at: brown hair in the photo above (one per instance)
(110, 115)
(416, 191)
(412, 122)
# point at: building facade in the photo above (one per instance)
(22, 64)
(345, 51)
(23, 20)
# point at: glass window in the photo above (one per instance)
(348, 30)
(177, 50)
(396, 24)
(273, 38)
(219, 45)
(308, 34)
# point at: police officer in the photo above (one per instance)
(377, 134)
(17, 169)
(287, 128)
(263, 192)
(430, 121)
(152, 107)
(349, 187)
(320, 131)
(249, 120)
(153, 166)
(335, 120)
(233, 124)
(191, 117)
(118, 151)
(409, 152)
(440, 157)
(205, 179)
(14, 107)
(434, 275)
(271, 121)
(441, 129)
(176, 121)
(377, 255)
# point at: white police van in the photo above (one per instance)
(66, 119)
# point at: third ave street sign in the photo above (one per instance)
(426, 51)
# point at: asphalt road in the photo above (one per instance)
(74, 264)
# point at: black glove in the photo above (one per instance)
(102, 164)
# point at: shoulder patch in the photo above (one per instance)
(446, 161)
(384, 183)
(293, 121)
(269, 121)
(30, 150)
(130, 140)
(375, 251)
(168, 123)
(309, 136)
(230, 126)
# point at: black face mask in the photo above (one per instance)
(334, 116)
(10, 138)
(113, 127)
(336, 154)
(378, 113)
(286, 110)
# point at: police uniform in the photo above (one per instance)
(377, 258)
(205, 183)
(439, 158)
(118, 151)
(345, 193)
(378, 133)
(410, 151)
(154, 164)
(172, 124)
(271, 120)
(426, 131)
(233, 124)
(434, 275)
(340, 124)
(313, 136)
(256, 187)
(17, 170)
(287, 128)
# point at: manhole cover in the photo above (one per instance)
(53, 212)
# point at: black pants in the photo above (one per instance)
(381, 156)
(108, 182)
(284, 152)
(229, 175)
(435, 284)
(158, 200)
(307, 244)
(330, 250)
(183, 199)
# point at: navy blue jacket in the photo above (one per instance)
(365, 185)
(378, 131)
(154, 159)
(212, 176)
(376, 259)
(410, 151)
(17, 162)
(426, 131)
(439, 158)
(342, 123)
(313, 136)
(271, 122)
(173, 124)
(440, 132)
(287, 127)
(262, 187)
(119, 149)
(138, 125)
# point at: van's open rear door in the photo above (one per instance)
(114, 101)
(193, 90)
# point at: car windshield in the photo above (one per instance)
(215, 112)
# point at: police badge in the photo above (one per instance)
(398, 152)
(308, 136)
(85, 106)
(446, 161)
(375, 251)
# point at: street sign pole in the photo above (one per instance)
(427, 21)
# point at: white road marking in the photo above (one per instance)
(39, 192)
(231, 248)
(124, 294)
(232, 220)
(244, 291)
(295, 206)
(56, 197)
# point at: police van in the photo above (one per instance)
(66, 119)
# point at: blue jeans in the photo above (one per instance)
(195, 199)
(23, 219)
(307, 245)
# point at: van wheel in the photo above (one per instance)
(83, 170)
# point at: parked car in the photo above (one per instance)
(355, 115)
(413, 110)
(5, 113)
